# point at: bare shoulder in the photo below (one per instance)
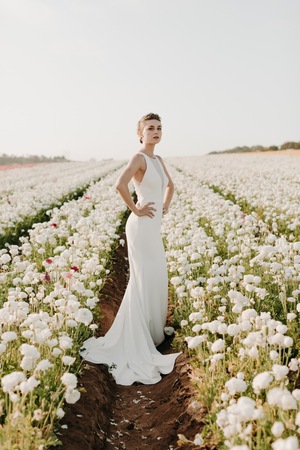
(137, 161)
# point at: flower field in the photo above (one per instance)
(50, 285)
(27, 193)
(232, 239)
(233, 249)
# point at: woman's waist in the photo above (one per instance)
(143, 201)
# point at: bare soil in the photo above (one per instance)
(109, 416)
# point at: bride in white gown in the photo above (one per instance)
(130, 344)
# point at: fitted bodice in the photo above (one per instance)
(154, 182)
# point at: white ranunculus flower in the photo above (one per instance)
(287, 342)
(69, 380)
(84, 315)
(288, 402)
(30, 351)
(196, 341)
(233, 329)
(196, 328)
(290, 443)
(296, 394)
(10, 381)
(60, 413)
(169, 331)
(235, 385)
(261, 381)
(65, 342)
(279, 371)
(72, 396)
(43, 365)
(68, 360)
(27, 363)
(277, 429)
(274, 355)
(218, 346)
(9, 336)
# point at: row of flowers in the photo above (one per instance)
(25, 192)
(50, 287)
(270, 186)
(236, 289)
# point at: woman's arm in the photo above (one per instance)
(135, 165)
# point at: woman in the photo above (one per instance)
(130, 344)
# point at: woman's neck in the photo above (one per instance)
(148, 149)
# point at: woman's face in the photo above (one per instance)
(151, 132)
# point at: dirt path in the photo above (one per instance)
(109, 416)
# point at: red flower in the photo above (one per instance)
(49, 260)
(75, 268)
(53, 225)
(47, 277)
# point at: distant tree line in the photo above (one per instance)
(260, 148)
(29, 159)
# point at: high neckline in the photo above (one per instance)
(151, 157)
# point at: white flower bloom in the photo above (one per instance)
(60, 413)
(43, 365)
(261, 381)
(72, 396)
(218, 346)
(30, 351)
(274, 355)
(287, 342)
(65, 342)
(196, 341)
(288, 402)
(235, 385)
(68, 360)
(290, 443)
(169, 331)
(27, 363)
(69, 380)
(294, 364)
(296, 394)
(84, 315)
(9, 336)
(279, 371)
(277, 429)
(233, 329)
(10, 381)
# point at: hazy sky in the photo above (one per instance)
(76, 75)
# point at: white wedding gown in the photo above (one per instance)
(130, 344)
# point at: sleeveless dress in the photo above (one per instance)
(130, 344)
